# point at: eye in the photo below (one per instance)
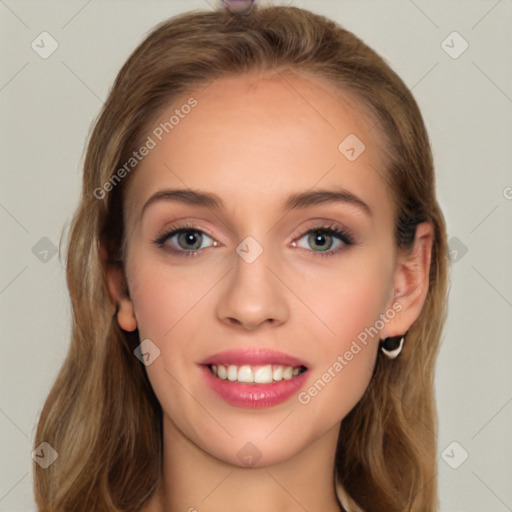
(186, 240)
(325, 240)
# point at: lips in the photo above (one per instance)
(253, 357)
(254, 378)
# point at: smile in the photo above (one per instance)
(256, 374)
(254, 377)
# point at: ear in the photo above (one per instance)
(118, 291)
(411, 282)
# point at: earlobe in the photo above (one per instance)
(411, 281)
(126, 315)
(119, 294)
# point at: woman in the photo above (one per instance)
(258, 211)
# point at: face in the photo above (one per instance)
(271, 266)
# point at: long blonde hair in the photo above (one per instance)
(102, 416)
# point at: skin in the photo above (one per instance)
(253, 140)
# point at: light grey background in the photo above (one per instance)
(47, 109)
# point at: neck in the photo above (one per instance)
(194, 480)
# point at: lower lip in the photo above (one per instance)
(254, 396)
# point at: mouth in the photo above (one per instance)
(254, 377)
(260, 374)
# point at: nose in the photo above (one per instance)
(253, 295)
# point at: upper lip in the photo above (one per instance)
(253, 356)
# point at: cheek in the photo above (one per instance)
(348, 300)
(170, 307)
(346, 359)
(350, 305)
(162, 297)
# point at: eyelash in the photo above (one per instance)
(341, 234)
(330, 230)
(176, 230)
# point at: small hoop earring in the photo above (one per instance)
(392, 346)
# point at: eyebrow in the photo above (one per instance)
(318, 197)
(294, 202)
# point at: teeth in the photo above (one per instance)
(263, 374)
(288, 373)
(220, 371)
(232, 373)
(254, 374)
(277, 374)
(245, 374)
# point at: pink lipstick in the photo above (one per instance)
(254, 378)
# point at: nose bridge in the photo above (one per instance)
(253, 294)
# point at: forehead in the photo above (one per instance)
(257, 137)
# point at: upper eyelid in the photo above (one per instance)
(325, 224)
(312, 226)
(173, 230)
